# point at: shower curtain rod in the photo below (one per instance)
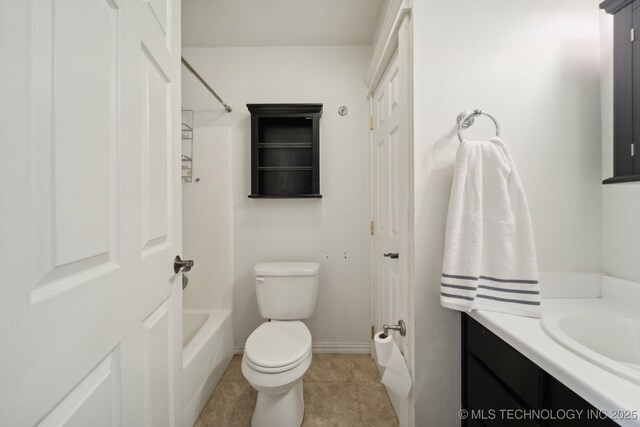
(195, 73)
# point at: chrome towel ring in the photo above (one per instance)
(466, 119)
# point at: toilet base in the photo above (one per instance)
(282, 410)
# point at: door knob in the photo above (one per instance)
(182, 264)
(392, 255)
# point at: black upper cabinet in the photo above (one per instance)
(285, 150)
(626, 89)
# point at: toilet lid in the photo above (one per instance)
(277, 346)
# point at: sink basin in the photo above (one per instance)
(601, 335)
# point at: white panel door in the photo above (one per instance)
(389, 208)
(90, 324)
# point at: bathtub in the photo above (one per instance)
(207, 350)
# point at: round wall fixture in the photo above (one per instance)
(343, 110)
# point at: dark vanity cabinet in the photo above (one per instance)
(626, 89)
(285, 150)
(499, 385)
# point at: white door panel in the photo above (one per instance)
(90, 324)
(158, 373)
(156, 154)
(67, 142)
(97, 398)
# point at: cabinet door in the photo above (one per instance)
(519, 375)
(623, 93)
(489, 401)
(558, 398)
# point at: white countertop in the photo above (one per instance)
(602, 389)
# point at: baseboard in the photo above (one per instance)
(341, 347)
(326, 347)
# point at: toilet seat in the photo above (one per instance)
(277, 346)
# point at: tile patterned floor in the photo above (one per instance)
(339, 390)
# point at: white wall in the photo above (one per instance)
(289, 229)
(620, 202)
(535, 66)
(207, 233)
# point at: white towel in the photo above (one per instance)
(489, 253)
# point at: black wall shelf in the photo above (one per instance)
(285, 150)
(626, 89)
(619, 179)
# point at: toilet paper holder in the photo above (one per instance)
(401, 326)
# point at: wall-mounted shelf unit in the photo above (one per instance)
(626, 89)
(285, 150)
(187, 145)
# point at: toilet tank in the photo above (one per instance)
(286, 290)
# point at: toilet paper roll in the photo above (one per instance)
(396, 374)
(383, 347)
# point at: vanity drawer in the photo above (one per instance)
(516, 371)
(485, 396)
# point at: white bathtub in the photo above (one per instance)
(207, 351)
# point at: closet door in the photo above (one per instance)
(90, 325)
(389, 165)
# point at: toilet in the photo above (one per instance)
(278, 352)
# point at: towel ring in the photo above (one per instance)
(466, 119)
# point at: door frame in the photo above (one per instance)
(396, 33)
